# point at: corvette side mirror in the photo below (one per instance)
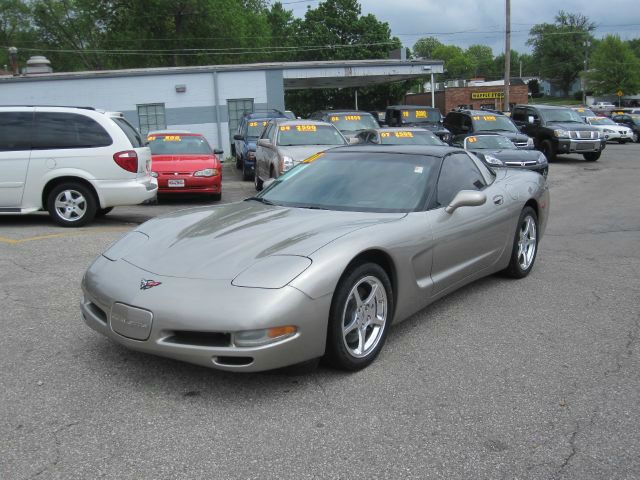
(466, 198)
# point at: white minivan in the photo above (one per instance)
(76, 163)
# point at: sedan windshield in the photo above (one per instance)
(635, 119)
(409, 137)
(179, 145)
(351, 122)
(352, 181)
(490, 142)
(296, 135)
(585, 112)
(561, 115)
(255, 128)
(426, 115)
(492, 123)
(601, 121)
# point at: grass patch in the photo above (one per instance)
(555, 101)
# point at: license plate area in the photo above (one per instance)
(586, 146)
(175, 183)
(131, 322)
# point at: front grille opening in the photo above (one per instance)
(97, 311)
(199, 339)
(233, 361)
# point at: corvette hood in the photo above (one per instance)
(220, 242)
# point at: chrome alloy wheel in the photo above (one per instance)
(527, 242)
(70, 205)
(364, 316)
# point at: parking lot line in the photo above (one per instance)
(13, 241)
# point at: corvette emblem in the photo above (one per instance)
(147, 284)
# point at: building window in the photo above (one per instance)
(236, 109)
(151, 117)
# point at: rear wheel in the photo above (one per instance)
(635, 137)
(548, 149)
(238, 162)
(360, 316)
(592, 156)
(525, 245)
(71, 204)
(257, 182)
(246, 174)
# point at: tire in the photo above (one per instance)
(71, 204)
(635, 137)
(216, 197)
(246, 176)
(101, 212)
(355, 345)
(548, 149)
(239, 163)
(592, 156)
(257, 182)
(525, 245)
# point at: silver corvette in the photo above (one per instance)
(320, 263)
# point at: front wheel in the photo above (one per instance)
(360, 316)
(592, 156)
(635, 137)
(549, 150)
(525, 245)
(71, 205)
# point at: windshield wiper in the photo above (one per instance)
(261, 200)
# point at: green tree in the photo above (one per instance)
(614, 67)
(634, 44)
(425, 47)
(15, 29)
(482, 58)
(456, 62)
(559, 48)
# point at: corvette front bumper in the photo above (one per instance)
(193, 320)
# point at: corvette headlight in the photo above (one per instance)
(256, 338)
(274, 271)
(207, 172)
(491, 160)
(286, 163)
(562, 133)
(542, 159)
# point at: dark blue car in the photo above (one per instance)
(249, 129)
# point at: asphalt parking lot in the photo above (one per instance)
(530, 379)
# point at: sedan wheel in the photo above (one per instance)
(360, 316)
(525, 245)
(635, 137)
(71, 205)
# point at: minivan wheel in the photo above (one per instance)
(71, 205)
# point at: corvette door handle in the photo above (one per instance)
(498, 199)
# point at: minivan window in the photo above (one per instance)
(130, 131)
(68, 130)
(16, 130)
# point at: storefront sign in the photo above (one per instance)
(486, 95)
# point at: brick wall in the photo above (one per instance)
(453, 97)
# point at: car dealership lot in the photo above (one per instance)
(537, 378)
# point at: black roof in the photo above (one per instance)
(543, 106)
(265, 114)
(430, 150)
(411, 107)
(354, 112)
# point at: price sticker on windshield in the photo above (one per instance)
(486, 118)
(385, 135)
(256, 124)
(352, 118)
(172, 138)
(405, 114)
(334, 119)
(421, 114)
(404, 134)
(151, 138)
(285, 128)
(306, 128)
(472, 139)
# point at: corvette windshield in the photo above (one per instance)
(493, 123)
(490, 142)
(351, 181)
(179, 145)
(409, 137)
(296, 135)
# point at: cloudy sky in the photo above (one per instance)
(465, 22)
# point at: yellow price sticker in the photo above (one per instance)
(421, 114)
(306, 128)
(151, 139)
(172, 138)
(285, 128)
(256, 124)
(404, 134)
(486, 118)
(352, 118)
(385, 135)
(472, 139)
(334, 119)
(405, 113)
(581, 110)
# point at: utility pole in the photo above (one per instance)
(586, 45)
(507, 56)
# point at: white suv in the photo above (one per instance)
(77, 163)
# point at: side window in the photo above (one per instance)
(131, 133)
(16, 130)
(467, 123)
(151, 117)
(68, 130)
(518, 115)
(458, 173)
(532, 113)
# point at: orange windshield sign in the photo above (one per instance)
(257, 124)
(404, 134)
(472, 139)
(172, 138)
(306, 128)
(486, 118)
(421, 114)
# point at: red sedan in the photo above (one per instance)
(185, 163)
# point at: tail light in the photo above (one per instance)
(127, 160)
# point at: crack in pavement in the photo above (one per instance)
(58, 455)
